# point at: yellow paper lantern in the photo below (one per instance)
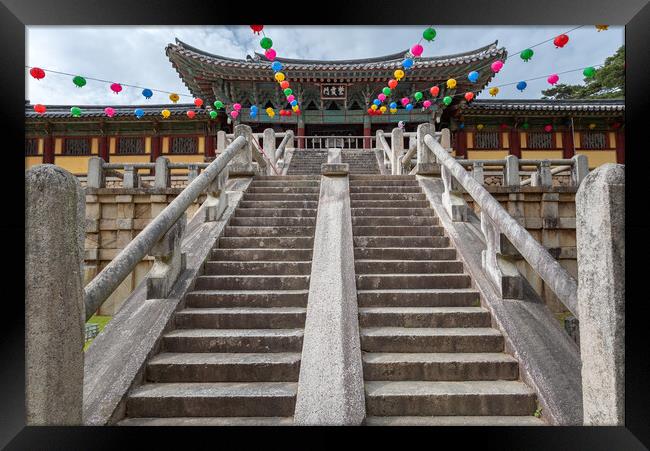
(393, 110)
(279, 76)
(592, 126)
(269, 110)
(166, 113)
(382, 109)
(399, 74)
(272, 114)
(451, 83)
(494, 91)
(174, 97)
(373, 107)
(294, 108)
(479, 127)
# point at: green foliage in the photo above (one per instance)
(607, 83)
(538, 412)
(99, 320)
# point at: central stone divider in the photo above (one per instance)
(330, 385)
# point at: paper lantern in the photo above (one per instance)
(469, 96)
(290, 98)
(418, 96)
(526, 55)
(284, 84)
(272, 114)
(600, 28)
(373, 106)
(407, 63)
(75, 111)
(381, 97)
(270, 54)
(473, 76)
(392, 84)
(553, 79)
(589, 72)
(504, 127)
(417, 50)
(139, 112)
(429, 34)
(234, 114)
(451, 83)
(266, 43)
(295, 108)
(294, 103)
(399, 74)
(269, 110)
(434, 91)
(279, 76)
(386, 91)
(494, 91)
(276, 66)
(236, 106)
(213, 114)
(198, 102)
(426, 103)
(254, 108)
(592, 126)
(479, 127)
(288, 91)
(37, 73)
(147, 93)
(165, 113)
(110, 112)
(393, 110)
(525, 125)
(257, 28)
(191, 114)
(461, 125)
(174, 97)
(522, 85)
(405, 101)
(218, 104)
(116, 88)
(382, 108)
(371, 111)
(447, 100)
(79, 81)
(40, 109)
(496, 66)
(561, 40)
(409, 107)
(548, 128)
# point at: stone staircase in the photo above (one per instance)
(430, 355)
(233, 356)
(309, 161)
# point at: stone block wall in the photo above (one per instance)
(550, 217)
(114, 216)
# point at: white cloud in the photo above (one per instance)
(136, 55)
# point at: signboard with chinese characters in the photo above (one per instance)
(333, 91)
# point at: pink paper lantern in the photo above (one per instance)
(291, 98)
(417, 50)
(426, 103)
(236, 107)
(382, 96)
(234, 114)
(496, 66)
(548, 128)
(110, 112)
(116, 87)
(405, 101)
(270, 54)
(553, 79)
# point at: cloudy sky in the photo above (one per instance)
(135, 55)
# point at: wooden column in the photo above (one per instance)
(48, 147)
(300, 131)
(620, 146)
(567, 144)
(156, 147)
(515, 143)
(461, 143)
(209, 141)
(367, 132)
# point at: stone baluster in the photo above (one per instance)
(452, 197)
(216, 201)
(499, 261)
(169, 261)
(192, 172)
(268, 144)
(543, 176)
(397, 148)
(131, 178)
(242, 162)
(477, 172)
(426, 160)
(96, 177)
(163, 173)
(511, 171)
(221, 141)
(445, 139)
(579, 170)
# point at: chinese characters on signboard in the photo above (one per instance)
(333, 91)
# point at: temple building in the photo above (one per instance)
(334, 97)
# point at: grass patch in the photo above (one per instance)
(562, 316)
(101, 321)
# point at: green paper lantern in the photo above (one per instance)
(418, 95)
(525, 125)
(75, 111)
(79, 81)
(589, 72)
(526, 54)
(386, 91)
(429, 34)
(213, 114)
(218, 104)
(266, 43)
(288, 91)
(447, 100)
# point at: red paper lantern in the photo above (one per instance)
(284, 84)
(561, 40)
(434, 91)
(116, 87)
(37, 73)
(469, 96)
(40, 109)
(198, 103)
(504, 126)
(392, 83)
(257, 28)
(191, 114)
(548, 128)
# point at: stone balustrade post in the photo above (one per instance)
(426, 160)
(445, 139)
(169, 261)
(192, 172)
(511, 171)
(221, 141)
(242, 162)
(499, 261)
(163, 177)
(131, 178)
(290, 142)
(216, 201)
(397, 148)
(543, 176)
(54, 305)
(600, 236)
(580, 169)
(478, 173)
(95, 177)
(268, 144)
(452, 197)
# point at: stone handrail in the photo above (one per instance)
(163, 232)
(495, 221)
(384, 147)
(288, 139)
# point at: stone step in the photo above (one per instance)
(283, 190)
(389, 212)
(287, 268)
(389, 203)
(424, 317)
(255, 254)
(285, 184)
(214, 367)
(401, 242)
(394, 221)
(384, 189)
(395, 253)
(268, 231)
(356, 178)
(274, 242)
(423, 339)
(246, 298)
(387, 196)
(418, 297)
(398, 230)
(262, 221)
(233, 340)
(285, 177)
(213, 399)
(411, 281)
(278, 204)
(419, 398)
(523, 420)
(388, 183)
(275, 212)
(481, 366)
(241, 318)
(251, 282)
(407, 266)
(265, 197)
(208, 421)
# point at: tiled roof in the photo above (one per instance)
(122, 111)
(510, 105)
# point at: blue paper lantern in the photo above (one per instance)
(409, 107)
(393, 105)
(377, 102)
(139, 112)
(253, 114)
(147, 93)
(461, 125)
(294, 103)
(254, 108)
(276, 66)
(521, 85)
(473, 76)
(407, 63)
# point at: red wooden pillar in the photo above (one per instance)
(461, 143)
(300, 131)
(515, 143)
(104, 153)
(48, 148)
(209, 142)
(567, 144)
(367, 132)
(620, 146)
